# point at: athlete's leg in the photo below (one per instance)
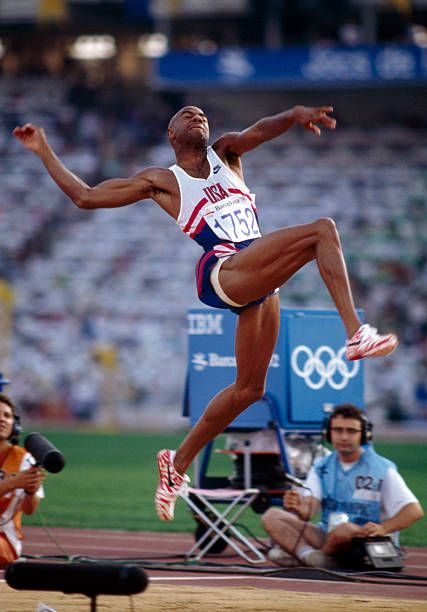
(256, 336)
(272, 259)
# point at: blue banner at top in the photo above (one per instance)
(301, 66)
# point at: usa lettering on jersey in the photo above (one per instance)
(216, 209)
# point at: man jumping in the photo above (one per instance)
(240, 270)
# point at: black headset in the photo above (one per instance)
(16, 428)
(366, 435)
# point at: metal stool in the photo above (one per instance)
(221, 525)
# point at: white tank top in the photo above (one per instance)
(218, 209)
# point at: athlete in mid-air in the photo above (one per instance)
(206, 194)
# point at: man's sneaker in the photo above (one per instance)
(317, 558)
(280, 557)
(171, 484)
(366, 342)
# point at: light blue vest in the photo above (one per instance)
(357, 492)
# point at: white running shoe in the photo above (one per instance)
(170, 486)
(366, 342)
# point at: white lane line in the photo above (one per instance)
(239, 578)
(278, 581)
(201, 578)
(183, 578)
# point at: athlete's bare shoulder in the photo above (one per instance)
(163, 188)
(224, 148)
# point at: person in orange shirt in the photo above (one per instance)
(20, 483)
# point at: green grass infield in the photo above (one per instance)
(109, 481)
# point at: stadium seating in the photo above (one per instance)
(100, 304)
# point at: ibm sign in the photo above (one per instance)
(308, 369)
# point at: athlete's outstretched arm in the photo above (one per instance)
(108, 194)
(310, 118)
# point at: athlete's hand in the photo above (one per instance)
(370, 530)
(31, 136)
(308, 117)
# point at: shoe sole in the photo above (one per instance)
(164, 489)
(379, 351)
(161, 513)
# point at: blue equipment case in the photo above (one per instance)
(308, 371)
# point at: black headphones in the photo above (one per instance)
(366, 424)
(16, 428)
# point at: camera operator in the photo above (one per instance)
(20, 483)
(359, 493)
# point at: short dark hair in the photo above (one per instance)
(348, 411)
(5, 399)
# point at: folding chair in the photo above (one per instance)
(221, 525)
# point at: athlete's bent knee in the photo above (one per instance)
(249, 395)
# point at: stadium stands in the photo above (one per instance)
(100, 306)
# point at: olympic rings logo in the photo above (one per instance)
(323, 366)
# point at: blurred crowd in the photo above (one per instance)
(94, 306)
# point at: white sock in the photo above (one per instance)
(303, 550)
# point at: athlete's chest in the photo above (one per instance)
(217, 187)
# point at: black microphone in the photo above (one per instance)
(44, 452)
(295, 481)
(88, 579)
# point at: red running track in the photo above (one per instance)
(171, 548)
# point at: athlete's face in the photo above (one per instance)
(6, 421)
(189, 126)
(346, 435)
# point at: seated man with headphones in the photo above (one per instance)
(20, 483)
(359, 493)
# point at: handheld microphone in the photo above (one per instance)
(295, 481)
(44, 452)
(88, 579)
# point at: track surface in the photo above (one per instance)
(171, 548)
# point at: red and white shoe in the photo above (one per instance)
(170, 486)
(366, 342)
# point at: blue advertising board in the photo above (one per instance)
(294, 66)
(308, 370)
